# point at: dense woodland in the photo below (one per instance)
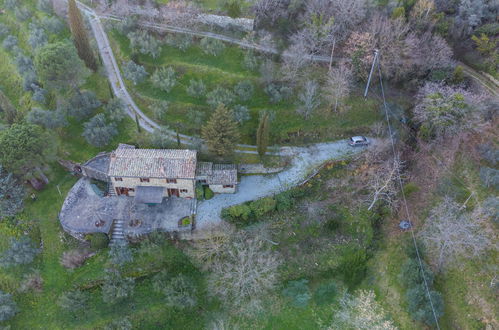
(326, 254)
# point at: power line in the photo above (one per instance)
(395, 156)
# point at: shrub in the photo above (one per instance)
(164, 79)
(353, 266)
(212, 46)
(410, 188)
(208, 193)
(239, 212)
(45, 5)
(8, 307)
(491, 29)
(241, 113)
(129, 24)
(219, 96)
(489, 153)
(199, 192)
(97, 132)
(31, 282)
(284, 201)
(4, 30)
(196, 88)
(298, 293)
(491, 208)
(419, 304)
(12, 194)
(98, 240)
(180, 41)
(74, 258)
(326, 293)
(411, 274)
(134, 72)
(263, 206)
(21, 251)
(244, 90)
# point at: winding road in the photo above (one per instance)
(120, 90)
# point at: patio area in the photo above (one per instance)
(84, 212)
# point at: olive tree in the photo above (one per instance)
(196, 88)
(244, 90)
(98, 132)
(37, 36)
(116, 287)
(219, 96)
(143, 42)
(241, 113)
(134, 72)
(74, 302)
(11, 194)
(21, 251)
(8, 307)
(179, 291)
(164, 78)
(82, 104)
(115, 110)
(10, 43)
(50, 119)
(212, 46)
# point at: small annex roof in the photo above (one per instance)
(149, 194)
(153, 163)
(204, 169)
(224, 174)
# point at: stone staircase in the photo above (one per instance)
(110, 190)
(117, 233)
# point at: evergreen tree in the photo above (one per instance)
(221, 132)
(80, 36)
(262, 134)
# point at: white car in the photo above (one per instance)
(358, 141)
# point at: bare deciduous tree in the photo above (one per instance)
(242, 270)
(338, 83)
(363, 312)
(295, 59)
(383, 183)
(308, 98)
(451, 233)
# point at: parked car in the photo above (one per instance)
(358, 141)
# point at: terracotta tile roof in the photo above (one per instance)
(223, 174)
(153, 163)
(204, 169)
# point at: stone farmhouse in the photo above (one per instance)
(147, 190)
(150, 175)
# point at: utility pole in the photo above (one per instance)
(376, 53)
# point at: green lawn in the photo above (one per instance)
(227, 70)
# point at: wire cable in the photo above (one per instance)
(404, 198)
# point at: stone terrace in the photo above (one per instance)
(85, 212)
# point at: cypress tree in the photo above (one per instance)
(221, 132)
(139, 129)
(80, 37)
(262, 134)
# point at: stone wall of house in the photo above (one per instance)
(219, 189)
(181, 184)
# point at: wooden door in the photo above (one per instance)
(173, 192)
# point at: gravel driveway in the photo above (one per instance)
(304, 161)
